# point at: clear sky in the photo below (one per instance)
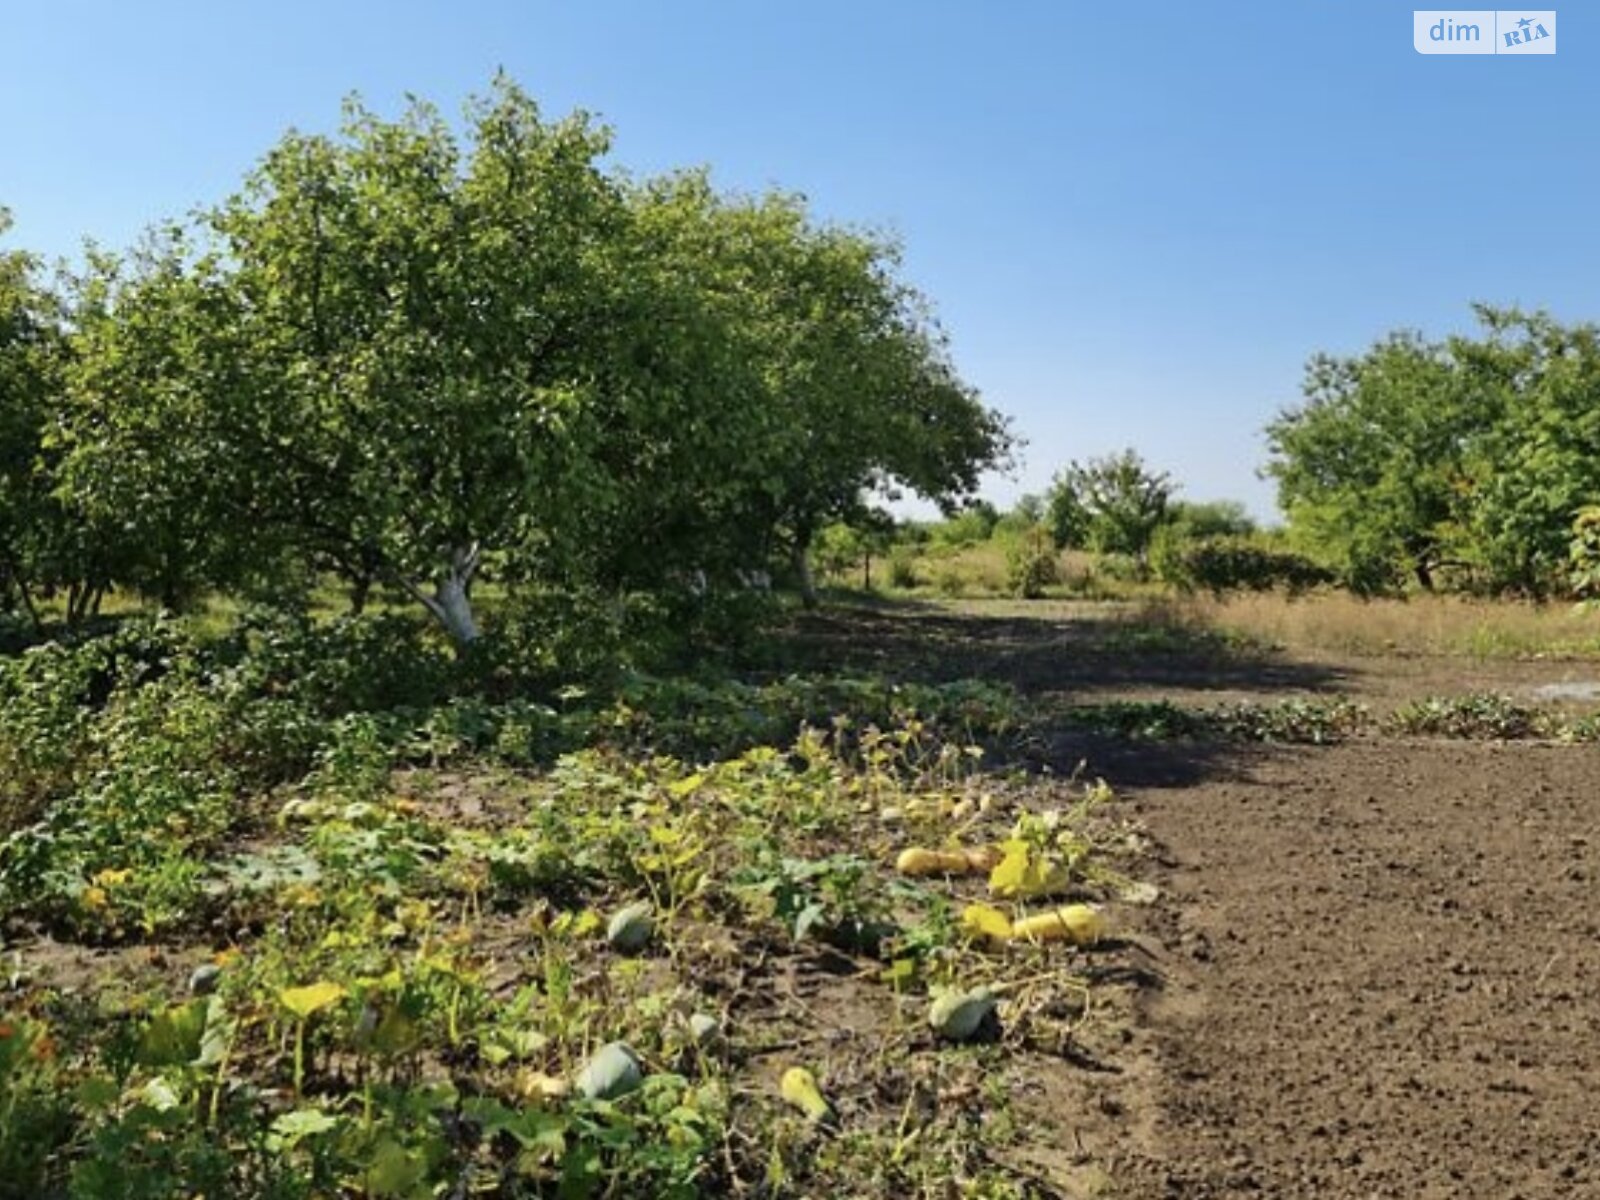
(1136, 220)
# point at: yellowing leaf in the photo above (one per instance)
(683, 787)
(303, 1001)
(1022, 873)
(986, 921)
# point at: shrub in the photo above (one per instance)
(949, 581)
(1032, 565)
(1119, 568)
(1227, 564)
(968, 527)
(365, 663)
(903, 568)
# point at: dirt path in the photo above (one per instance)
(1385, 976)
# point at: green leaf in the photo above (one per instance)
(394, 1170)
(292, 1127)
(174, 1036)
(97, 1093)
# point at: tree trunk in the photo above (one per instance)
(30, 608)
(451, 602)
(802, 570)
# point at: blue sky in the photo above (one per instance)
(1136, 220)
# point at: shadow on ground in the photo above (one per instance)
(1063, 660)
(1047, 654)
(1149, 766)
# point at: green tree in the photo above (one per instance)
(859, 396)
(1474, 453)
(1533, 458)
(48, 544)
(30, 338)
(1111, 505)
(389, 361)
(1372, 466)
(1192, 519)
(149, 433)
(409, 357)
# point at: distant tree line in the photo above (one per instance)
(407, 358)
(1462, 463)
(1471, 463)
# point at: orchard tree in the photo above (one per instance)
(1533, 458)
(796, 380)
(31, 522)
(426, 323)
(407, 357)
(51, 544)
(151, 436)
(864, 398)
(1111, 505)
(686, 425)
(1372, 468)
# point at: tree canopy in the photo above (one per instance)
(410, 355)
(1111, 505)
(1473, 454)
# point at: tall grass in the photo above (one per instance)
(1438, 625)
(981, 570)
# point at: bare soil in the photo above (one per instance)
(1383, 977)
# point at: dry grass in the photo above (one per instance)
(1446, 625)
(981, 570)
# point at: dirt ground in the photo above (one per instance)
(1383, 977)
(1381, 959)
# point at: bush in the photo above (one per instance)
(1120, 568)
(1032, 565)
(969, 527)
(903, 569)
(374, 661)
(1226, 564)
(949, 581)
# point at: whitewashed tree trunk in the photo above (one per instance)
(451, 602)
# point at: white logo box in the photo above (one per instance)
(1484, 31)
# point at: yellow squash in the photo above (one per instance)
(799, 1088)
(976, 860)
(1080, 924)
